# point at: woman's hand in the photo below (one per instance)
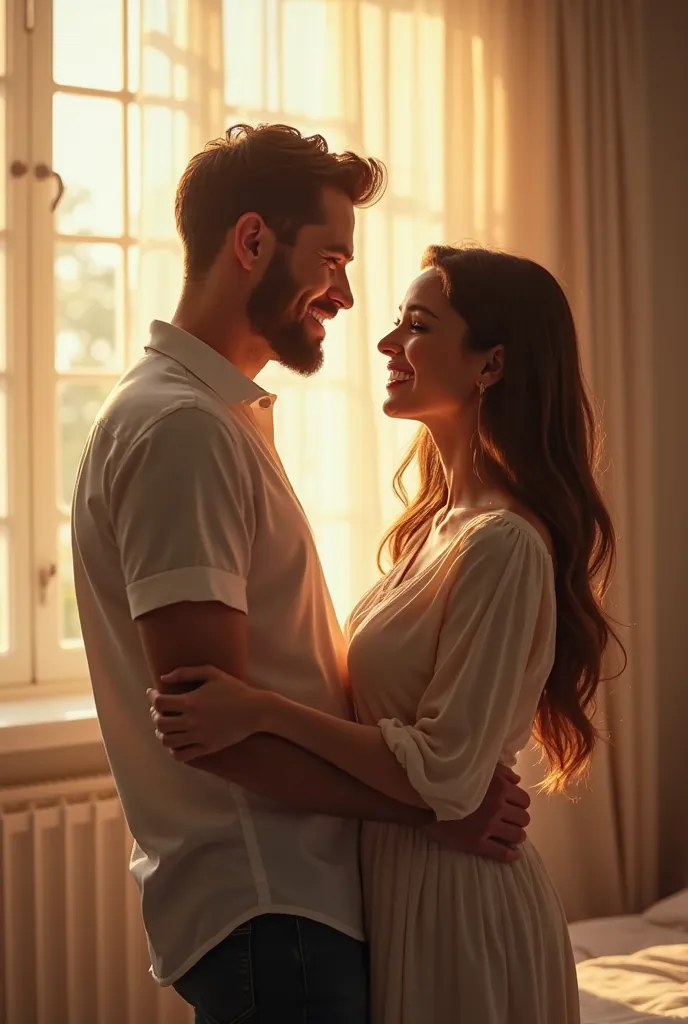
(219, 713)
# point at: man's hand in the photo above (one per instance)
(497, 828)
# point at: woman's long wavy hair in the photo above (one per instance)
(539, 441)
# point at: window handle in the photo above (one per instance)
(42, 172)
(45, 574)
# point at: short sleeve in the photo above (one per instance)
(503, 575)
(181, 506)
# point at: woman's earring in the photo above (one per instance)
(475, 441)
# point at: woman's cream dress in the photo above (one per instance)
(451, 663)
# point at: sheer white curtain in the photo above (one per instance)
(358, 73)
(515, 123)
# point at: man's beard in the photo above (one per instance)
(288, 338)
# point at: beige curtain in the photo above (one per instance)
(515, 123)
(577, 201)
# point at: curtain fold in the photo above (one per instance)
(513, 123)
(597, 244)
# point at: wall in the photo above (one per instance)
(667, 63)
(22, 768)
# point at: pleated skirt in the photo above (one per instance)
(457, 939)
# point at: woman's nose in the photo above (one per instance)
(388, 346)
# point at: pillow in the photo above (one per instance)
(671, 912)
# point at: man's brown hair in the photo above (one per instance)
(272, 170)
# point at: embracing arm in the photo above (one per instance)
(288, 774)
(444, 760)
(359, 750)
(193, 632)
(213, 634)
(216, 720)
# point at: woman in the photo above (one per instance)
(487, 627)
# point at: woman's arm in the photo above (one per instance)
(208, 729)
(225, 711)
(357, 749)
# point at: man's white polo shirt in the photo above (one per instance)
(180, 496)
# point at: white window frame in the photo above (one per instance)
(16, 663)
(37, 662)
(52, 662)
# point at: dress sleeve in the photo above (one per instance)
(502, 576)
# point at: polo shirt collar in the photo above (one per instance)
(223, 377)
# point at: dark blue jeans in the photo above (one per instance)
(279, 969)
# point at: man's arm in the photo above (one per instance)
(287, 774)
(208, 632)
(305, 783)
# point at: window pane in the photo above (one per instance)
(134, 44)
(138, 328)
(77, 405)
(334, 546)
(4, 453)
(164, 153)
(135, 168)
(247, 29)
(304, 412)
(160, 278)
(308, 23)
(89, 314)
(70, 630)
(88, 154)
(87, 43)
(4, 592)
(157, 71)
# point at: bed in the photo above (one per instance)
(634, 969)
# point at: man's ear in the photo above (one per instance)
(251, 239)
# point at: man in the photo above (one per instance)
(191, 548)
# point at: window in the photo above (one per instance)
(101, 105)
(70, 267)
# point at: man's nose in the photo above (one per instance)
(341, 293)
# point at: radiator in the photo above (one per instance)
(73, 947)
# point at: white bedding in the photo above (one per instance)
(634, 969)
(608, 936)
(646, 987)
